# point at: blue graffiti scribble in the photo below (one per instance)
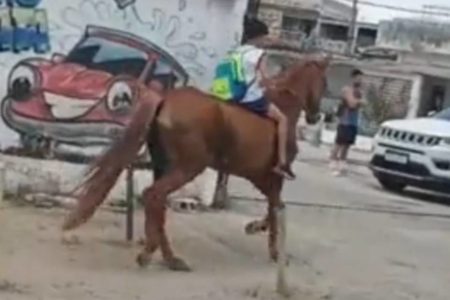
(21, 3)
(210, 52)
(198, 36)
(23, 39)
(122, 4)
(23, 27)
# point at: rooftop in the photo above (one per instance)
(398, 68)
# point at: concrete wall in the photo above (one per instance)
(436, 59)
(426, 103)
(298, 4)
(416, 35)
(69, 101)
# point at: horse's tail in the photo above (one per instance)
(104, 172)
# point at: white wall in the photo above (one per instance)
(197, 33)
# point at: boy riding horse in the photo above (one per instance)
(241, 78)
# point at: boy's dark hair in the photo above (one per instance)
(253, 28)
(356, 72)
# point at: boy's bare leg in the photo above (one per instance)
(282, 127)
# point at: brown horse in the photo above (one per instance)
(196, 132)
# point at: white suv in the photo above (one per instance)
(414, 152)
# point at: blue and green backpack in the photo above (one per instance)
(229, 82)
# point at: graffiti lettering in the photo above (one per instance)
(23, 27)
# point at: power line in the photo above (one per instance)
(402, 9)
(437, 7)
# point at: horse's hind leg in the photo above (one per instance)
(155, 217)
(257, 226)
(221, 200)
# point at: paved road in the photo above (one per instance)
(358, 190)
(360, 241)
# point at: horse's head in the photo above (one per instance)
(307, 83)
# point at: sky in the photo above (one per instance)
(374, 15)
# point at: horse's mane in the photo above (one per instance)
(288, 55)
(294, 71)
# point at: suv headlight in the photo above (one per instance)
(445, 141)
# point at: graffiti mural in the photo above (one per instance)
(122, 4)
(85, 97)
(23, 26)
(78, 90)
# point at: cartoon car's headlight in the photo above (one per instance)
(120, 97)
(22, 81)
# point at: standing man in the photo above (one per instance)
(348, 113)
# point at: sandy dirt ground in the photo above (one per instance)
(348, 240)
(227, 264)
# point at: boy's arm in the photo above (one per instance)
(261, 70)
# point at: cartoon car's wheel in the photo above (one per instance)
(27, 141)
(33, 143)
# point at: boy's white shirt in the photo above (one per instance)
(250, 58)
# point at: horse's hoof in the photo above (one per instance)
(255, 227)
(177, 264)
(274, 259)
(70, 239)
(143, 260)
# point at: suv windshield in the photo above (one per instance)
(443, 115)
(109, 56)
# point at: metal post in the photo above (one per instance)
(2, 182)
(282, 286)
(352, 28)
(130, 203)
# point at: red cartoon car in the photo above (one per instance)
(85, 97)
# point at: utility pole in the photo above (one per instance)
(352, 28)
(253, 8)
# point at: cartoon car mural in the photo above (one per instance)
(85, 98)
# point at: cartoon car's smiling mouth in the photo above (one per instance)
(63, 107)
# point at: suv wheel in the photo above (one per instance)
(391, 184)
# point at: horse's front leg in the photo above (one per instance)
(270, 186)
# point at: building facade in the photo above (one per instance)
(326, 20)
